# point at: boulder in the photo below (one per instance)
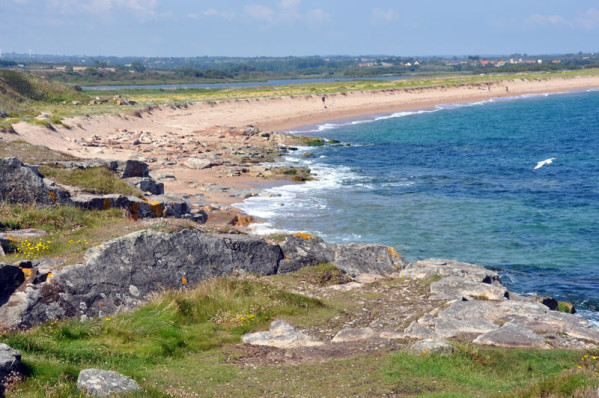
(431, 346)
(147, 184)
(511, 336)
(102, 383)
(418, 331)
(456, 288)
(303, 250)
(129, 168)
(281, 335)
(446, 268)
(198, 164)
(121, 273)
(353, 334)
(10, 361)
(24, 184)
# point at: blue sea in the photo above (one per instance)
(456, 181)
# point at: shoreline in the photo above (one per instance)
(217, 129)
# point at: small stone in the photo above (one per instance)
(353, 334)
(431, 346)
(102, 383)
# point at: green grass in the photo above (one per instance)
(169, 328)
(483, 372)
(97, 180)
(184, 343)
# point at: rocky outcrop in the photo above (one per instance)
(121, 273)
(102, 383)
(24, 184)
(479, 306)
(281, 335)
(353, 334)
(303, 250)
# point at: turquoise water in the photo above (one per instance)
(457, 182)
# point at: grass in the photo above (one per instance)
(34, 154)
(96, 180)
(71, 231)
(146, 98)
(173, 326)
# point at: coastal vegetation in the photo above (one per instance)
(184, 343)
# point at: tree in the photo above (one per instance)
(138, 67)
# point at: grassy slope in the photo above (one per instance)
(184, 343)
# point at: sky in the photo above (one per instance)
(181, 28)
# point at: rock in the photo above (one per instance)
(455, 288)
(11, 277)
(303, 250)
(450, 328)
(129, 168)
(10, 361)
(121, 273)
(431, 346)
(147, 184)
(352, 334)
(418, 331)
(198, 164)
(549, 302)
(281, 335)
(511, 336)
(24, 184)
(102, 383)
(445, 268)
(471, 309)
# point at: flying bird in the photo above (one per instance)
(543, 163)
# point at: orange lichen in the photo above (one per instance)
(52, 196)
(157, 208)
(303, 235)
(27, 272)
(184, 281)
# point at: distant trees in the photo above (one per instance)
(138, 67)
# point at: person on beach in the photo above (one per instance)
(507, 90)
(323, 101)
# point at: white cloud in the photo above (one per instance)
(212, 12)
(588, 20)
(317, 15)
(261, 12)
(141, 8)
(388, 15)
(545, 20)
(287, 11)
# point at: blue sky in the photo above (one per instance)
(298, 27)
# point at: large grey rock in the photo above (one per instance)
(512, 336)
(353, 334)
(471, 309)
(10, 361)
(450, 328)
(418, 331)
(447, 268)
(121, 273)
(281, 335)
(305, 251)
(353, 259)
(147, 184)
(129, 168)
(431, 346)
(102, 383)
(455, 288)
(24, 184)
(198, 164)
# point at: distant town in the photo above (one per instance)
(81, 70)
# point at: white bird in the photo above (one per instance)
(543, 163)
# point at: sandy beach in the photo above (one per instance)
(167, 137)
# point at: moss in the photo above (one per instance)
(565, 306)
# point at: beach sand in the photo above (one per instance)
(217, 129)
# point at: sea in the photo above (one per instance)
(457, 181)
